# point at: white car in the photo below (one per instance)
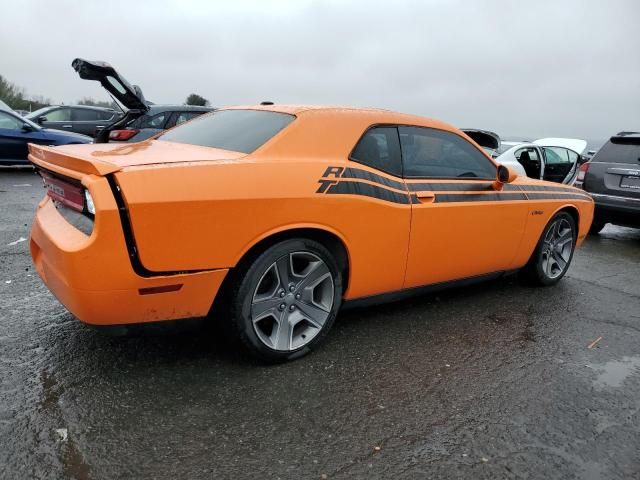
(552, 159)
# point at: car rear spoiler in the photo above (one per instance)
(74, 166)
(128, 95)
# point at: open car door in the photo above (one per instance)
(128, 95)
(561, 158)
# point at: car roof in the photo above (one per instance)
(575, 144)
(86, 107)
(154, 108)
(376, 115)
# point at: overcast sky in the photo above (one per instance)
(556, 68)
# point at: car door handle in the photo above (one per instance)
(66, 126)
(426, 197)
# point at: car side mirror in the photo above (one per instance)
(27, 128)
(42, 119)
(505, 175)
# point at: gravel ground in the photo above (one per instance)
(491, 381)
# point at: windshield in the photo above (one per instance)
(237, 130)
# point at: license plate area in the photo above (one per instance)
(630, 181)
(66, 193)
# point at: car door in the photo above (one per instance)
(85, 120)
(557, 163)
(14, 137)
(460, 225)
(374, 176)
(59, 118)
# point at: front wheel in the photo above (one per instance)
(554, 252)
(286, 300)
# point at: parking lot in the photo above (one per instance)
(491, 381)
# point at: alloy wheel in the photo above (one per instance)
(292, 301)
(556, 248)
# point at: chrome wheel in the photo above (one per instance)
(292, 301)
(557, 247)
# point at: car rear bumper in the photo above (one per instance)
(93, 278)
(615, 209)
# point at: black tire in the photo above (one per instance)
(244, 289)
(536, 271)
(596, 226)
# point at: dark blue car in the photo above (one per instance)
(16, 132)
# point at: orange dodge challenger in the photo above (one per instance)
(270, 217)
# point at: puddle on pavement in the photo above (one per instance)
(615, 372)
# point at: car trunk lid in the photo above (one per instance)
(105, 158)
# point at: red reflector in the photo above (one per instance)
(66, 193)
(161, 289)
(122, 135)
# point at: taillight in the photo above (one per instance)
(582, 171)
(122, 135)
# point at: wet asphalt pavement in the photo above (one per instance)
(492, 381)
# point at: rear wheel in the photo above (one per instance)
(286, 300)
(554, 252)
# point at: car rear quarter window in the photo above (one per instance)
(619, 151)
(379, 148)
(237, 130)
(432, 153)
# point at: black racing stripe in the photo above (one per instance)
(477, 197)
(557, 196)
(368, 190)
(549, 188)
(350, 172)
(457, 187)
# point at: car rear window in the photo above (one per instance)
(619, 150)
(237, 130)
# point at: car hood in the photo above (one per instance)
(574, 144)
(105, 158)
(50, 132)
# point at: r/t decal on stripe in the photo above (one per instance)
(324, 182)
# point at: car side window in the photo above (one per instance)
(105, 115)
(379, 148)
(85, 115)
(156, 121)
(527, 153)
(59, 115)
(556, 155)
(186, 116)
(432, 153)
(9, 122)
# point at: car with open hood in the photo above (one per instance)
(551, 159)
(268, 218)
(142, 119)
